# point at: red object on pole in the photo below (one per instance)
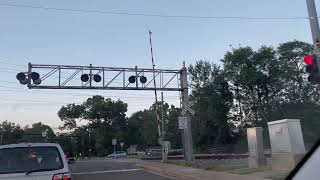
(309, 59)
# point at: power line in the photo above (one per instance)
(65, 94)
(34, 103)
(11, 64)
(135, 96)
(9, 69)
(155, 15)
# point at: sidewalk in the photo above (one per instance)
(188, 173)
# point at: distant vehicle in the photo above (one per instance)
(29, 161)
(154, 151)
(118, 154)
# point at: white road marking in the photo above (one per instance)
(109, 171)
(162, 175)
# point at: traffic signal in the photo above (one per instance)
(312, 68)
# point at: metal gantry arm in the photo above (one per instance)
(68, 77)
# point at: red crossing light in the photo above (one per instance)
(309, 59)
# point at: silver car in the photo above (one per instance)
(118, 154)
(33, 161)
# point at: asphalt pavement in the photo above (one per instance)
(114, 169)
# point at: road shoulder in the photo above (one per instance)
(189, 173)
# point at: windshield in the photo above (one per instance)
(26, 159)
(229, 85)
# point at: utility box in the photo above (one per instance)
(286, 143)
(255, 146)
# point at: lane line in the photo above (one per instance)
(162, 175)
(108, 171)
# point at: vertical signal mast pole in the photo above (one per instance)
(187, 134)
(313, 18)
(315, 32)
(155, 86)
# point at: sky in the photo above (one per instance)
(78, 38)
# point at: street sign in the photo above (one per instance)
(182, 122)
(187, 107)
(114, 142)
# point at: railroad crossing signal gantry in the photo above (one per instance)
(40, 76)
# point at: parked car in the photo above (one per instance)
(118, 154)
(29, 161)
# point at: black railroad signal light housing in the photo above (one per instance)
(24, 81)
(35, 76)
(84, 77)
(132, 79)
(21, 76)
(97, 78)
(143, 79)
(37, 81)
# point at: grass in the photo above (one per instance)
(247, 170)
(280, 176)
(224, 167)
(234, 169)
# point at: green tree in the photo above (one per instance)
(296, 88)
(173, 133)
(213, 101)
(144, 130)
(10, 132)
(34, 133)
(257, 76)
(106, 119)
(70, 114)
(38, 128)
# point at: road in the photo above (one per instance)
(111, 169)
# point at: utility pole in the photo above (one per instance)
(162, 116)
(315, 31)
(82, 146)
(313, 18)
(187, 136)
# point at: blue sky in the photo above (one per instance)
(58, 37)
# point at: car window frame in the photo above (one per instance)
(303, 160)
